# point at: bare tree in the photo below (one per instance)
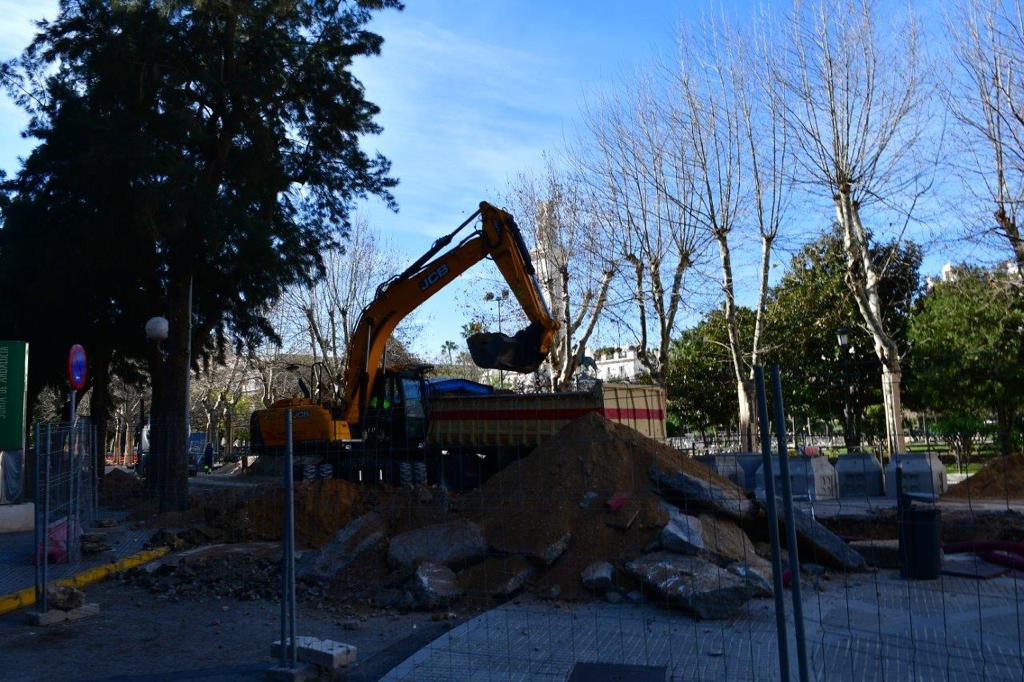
(988, 102)
(556, 212)
(320, 317)
(854, 103)
(640, 174)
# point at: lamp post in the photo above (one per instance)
(156, 333)
(503, 296)
(849, 419)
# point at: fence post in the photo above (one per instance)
(37, 502)
(46, 518)
(289, 644)
(773, 523)
(787, 506)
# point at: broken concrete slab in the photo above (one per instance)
(693, 584)
(453, 543)
(682, 534)
(598, 576)
(434, 585)
(691, 493)
(361, 535)
(323, 653)
(55, 616)
(757, 574)
(820, 545)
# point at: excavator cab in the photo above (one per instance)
(395, 415)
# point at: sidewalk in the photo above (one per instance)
(17, 570)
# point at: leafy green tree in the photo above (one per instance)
(968, 349)
(215, 146)
(811, 303)
(700, 382)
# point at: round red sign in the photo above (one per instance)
(77, 367)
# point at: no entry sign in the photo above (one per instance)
(76, 367)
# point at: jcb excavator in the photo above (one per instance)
(382, 408)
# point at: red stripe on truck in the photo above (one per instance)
(614, 413)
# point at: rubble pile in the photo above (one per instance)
(1001, 479)
(597, 511)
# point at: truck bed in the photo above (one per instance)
(526, 420)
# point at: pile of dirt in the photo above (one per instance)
(120, 489)
(1002, 479)
(591, 483)
(321, 508)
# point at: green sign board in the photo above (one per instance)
(13, 379)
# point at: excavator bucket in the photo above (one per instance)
(520, 353)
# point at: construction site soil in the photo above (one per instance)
(591, 483)
(1001, 479)
(583, 497)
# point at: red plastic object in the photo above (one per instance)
(617, 502)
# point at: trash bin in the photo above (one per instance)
(920, 550)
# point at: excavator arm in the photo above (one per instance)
(498, 238)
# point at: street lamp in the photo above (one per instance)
(156, 329)
(498, 298)
(849, 420)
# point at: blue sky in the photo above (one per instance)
(471, 93)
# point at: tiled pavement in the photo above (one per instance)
(866, 627)
(18, 572)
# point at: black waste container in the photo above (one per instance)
(920, 549)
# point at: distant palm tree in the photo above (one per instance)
(448, 347)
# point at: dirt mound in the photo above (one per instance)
(1002, 479)
(120, 489)
(321, 508)
(590, 481)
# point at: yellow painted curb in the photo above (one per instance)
(27, 596)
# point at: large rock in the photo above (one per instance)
(693, 584)
(359, 537)
(757, 573)
(597, 577)
(682, 534)
(434, 585)
(820, 545)
(454, 543)
(689, 492)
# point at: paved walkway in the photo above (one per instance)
(17, 570)
(866, 627)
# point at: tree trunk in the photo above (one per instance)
(895, 441)
(174, 419)
(99, 409)
(1005, 418)
(863, 280)
(745, 398)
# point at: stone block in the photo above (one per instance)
(690, 492)
(434, 585)
(859, 475)
(693, 584)
(597, 577)
(813, 478)
(323, 653)
(923, 473)
(54, 616)
(457, 542)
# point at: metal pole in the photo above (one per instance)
(46, 517)
(773, 523)
(787, 506)
(72, 395)
(289, 530)
(38, 511)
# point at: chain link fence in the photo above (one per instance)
(65, 493)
